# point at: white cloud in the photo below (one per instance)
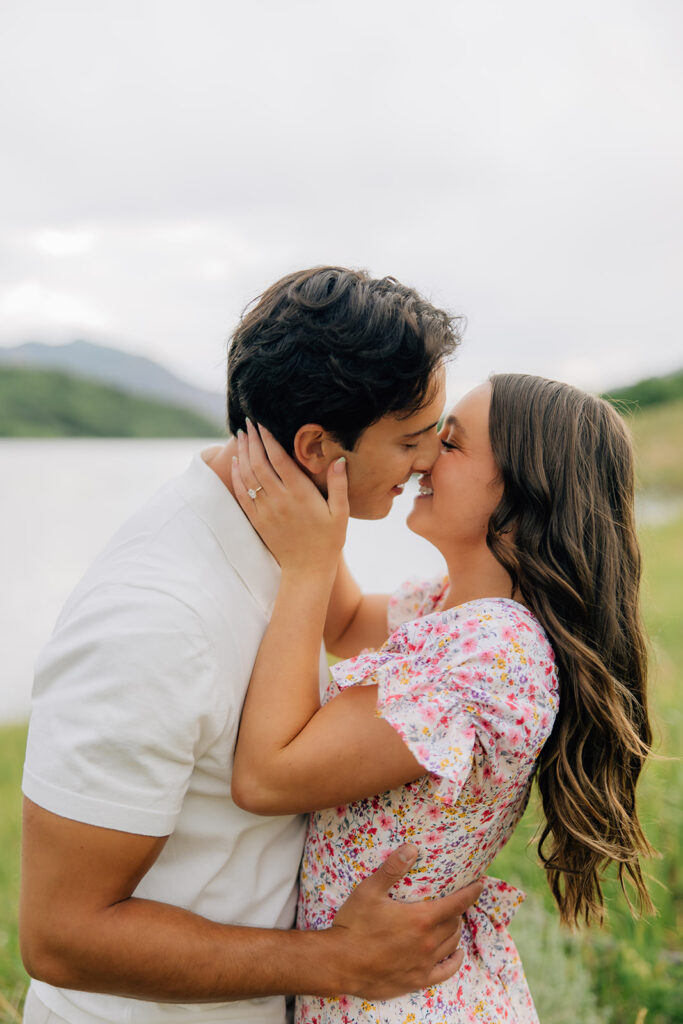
(72, 242)
(214, 269)
(30, 305)
(519, 163)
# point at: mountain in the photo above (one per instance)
(134, 374)
(48, 403)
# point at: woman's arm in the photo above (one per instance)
(292, 755)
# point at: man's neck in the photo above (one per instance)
(219, 459)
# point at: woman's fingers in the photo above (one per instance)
(259, 463)
(247, 474)
(337, 489)
(267, 454)
(295, 521)
(288, 471)
(247, 505)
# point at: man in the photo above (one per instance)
(147, 894)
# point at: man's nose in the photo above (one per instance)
(427, 453)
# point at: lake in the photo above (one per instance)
(62, 499)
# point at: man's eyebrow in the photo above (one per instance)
(425, 430)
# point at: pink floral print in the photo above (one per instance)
(473, 692)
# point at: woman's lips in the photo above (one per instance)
(425, 491)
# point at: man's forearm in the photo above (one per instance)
(153, 951)
(81, 929)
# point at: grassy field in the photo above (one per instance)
(629, 971)
(658, 434)
(13, 980)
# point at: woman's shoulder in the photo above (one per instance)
(416, 597)
(496, 621)
(497, 631)
(500, 615)
(494, 643)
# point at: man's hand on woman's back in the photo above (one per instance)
(404, 946)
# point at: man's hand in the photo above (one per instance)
(405, 946)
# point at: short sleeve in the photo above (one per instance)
(121, 707)
(414, 598)
(471, 691)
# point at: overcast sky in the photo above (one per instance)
(521, 163)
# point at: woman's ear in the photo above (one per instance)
(314, 449)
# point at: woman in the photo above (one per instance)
(528, 658)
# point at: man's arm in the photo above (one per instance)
(81, 928)
(354, 620)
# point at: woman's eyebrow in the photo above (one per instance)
(453, 421)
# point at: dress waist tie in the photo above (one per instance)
(488, 919)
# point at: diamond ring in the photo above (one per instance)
(252, 493)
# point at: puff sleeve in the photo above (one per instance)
(414, 598)
(472, 691)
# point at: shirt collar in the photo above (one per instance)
(211, 500)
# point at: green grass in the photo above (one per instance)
(658, 435)
(46, 403)
(13, 980)
(629, 966)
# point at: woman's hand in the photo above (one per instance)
(302, 529)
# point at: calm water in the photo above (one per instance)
(61, 500)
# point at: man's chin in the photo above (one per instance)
(374, 511)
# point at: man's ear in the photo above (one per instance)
(314, 449)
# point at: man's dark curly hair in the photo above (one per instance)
(335, 347)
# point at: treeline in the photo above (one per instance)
(652, 391)
(49, 403)
(46, 403)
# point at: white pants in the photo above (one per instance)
(36, 1012)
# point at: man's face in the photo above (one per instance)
(389, 452)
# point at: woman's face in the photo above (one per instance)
(459, 494)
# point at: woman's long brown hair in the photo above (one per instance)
(565, 531)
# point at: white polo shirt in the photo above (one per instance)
(136, 706)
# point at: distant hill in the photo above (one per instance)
(47, 403)
(135, 374)
(651, 391)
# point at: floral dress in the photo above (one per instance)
(472, 690)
